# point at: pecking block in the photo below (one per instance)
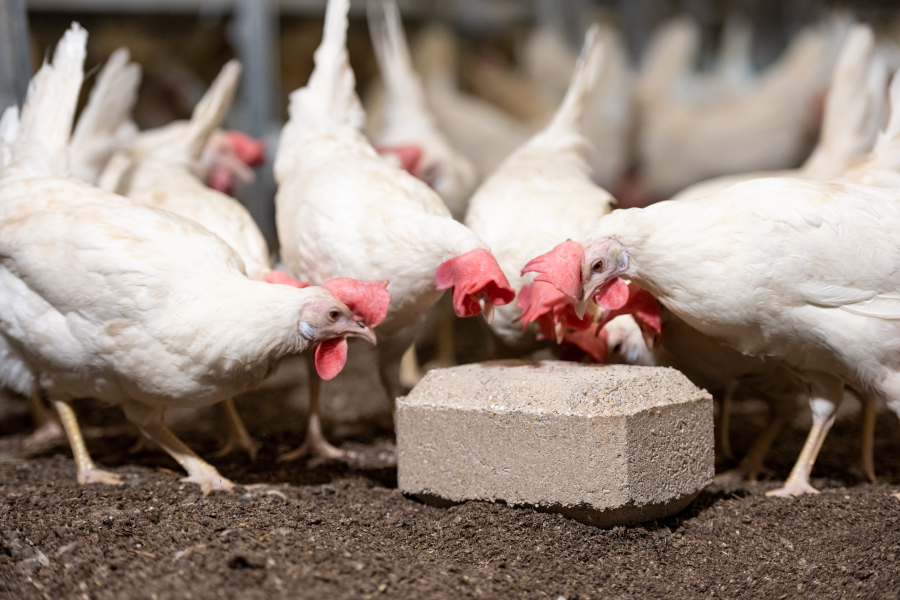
(607, 445)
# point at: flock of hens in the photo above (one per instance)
(127, 274)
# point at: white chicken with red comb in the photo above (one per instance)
(101, 297)
(342, 211)
(803, 272)
(540, 195)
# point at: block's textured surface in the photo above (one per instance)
(608, 445)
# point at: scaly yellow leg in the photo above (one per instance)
(87, 471)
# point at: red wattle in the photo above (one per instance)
(613, 295)
(645, 309)
(367, 300)
(331, 356)
(471, 273)
(221, 179)
(560, 267)
(275, 276)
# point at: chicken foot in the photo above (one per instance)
(238, 438)
(152, 424)
(410, 372)
(87, 470)
(47, 425)
(826, 395)
(315, 443)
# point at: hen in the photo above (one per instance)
(802, 272)
(765, 127)
(343, 211)
(854, 113)
(133, 306)
(539, 196)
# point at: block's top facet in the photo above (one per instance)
(553, 387)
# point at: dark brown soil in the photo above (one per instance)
(336, 530)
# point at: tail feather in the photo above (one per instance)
(105, 123)
(565, 127)
(855, 106)
(328, 102)
(392, 54)
(9, 129)
(881, 167)
(211, 109)
(41, 147)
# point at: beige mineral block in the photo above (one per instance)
(608, 445)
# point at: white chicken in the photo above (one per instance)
(478, 129)
(341, 210)
(538, 197)
(105, 126)
(133, 306)
(406, 121)
(165, 172)
(765, 128)
(853, 114)
(799, 271)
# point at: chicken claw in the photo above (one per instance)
(796, 488)
(210, 482)
(94, 475)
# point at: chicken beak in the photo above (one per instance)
(487, 307)
(559, 328)
(365, 333)
(581, 306)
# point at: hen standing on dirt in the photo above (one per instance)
(342, 211)
(133, 306)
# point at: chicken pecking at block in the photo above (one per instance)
(541, 195)
(134, 306)
(800, 271)
(342, 211)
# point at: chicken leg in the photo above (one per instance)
(151, 422)
(867, 445)
(751, 465)
(238, 438)
(87, 470)
(725, 419)
(47, 426)
(315, 443)
(410, 372)
(827, 392)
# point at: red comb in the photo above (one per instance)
(283, 278)
(470, 273)
(560, 267)
(367, 300)
(330, 357)
(410, 156)
(249, 151)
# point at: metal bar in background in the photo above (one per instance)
(15, 53)
(256, 40)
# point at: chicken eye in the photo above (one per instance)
(334, 315)
(598, 266)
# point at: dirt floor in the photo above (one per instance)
(342, 530)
